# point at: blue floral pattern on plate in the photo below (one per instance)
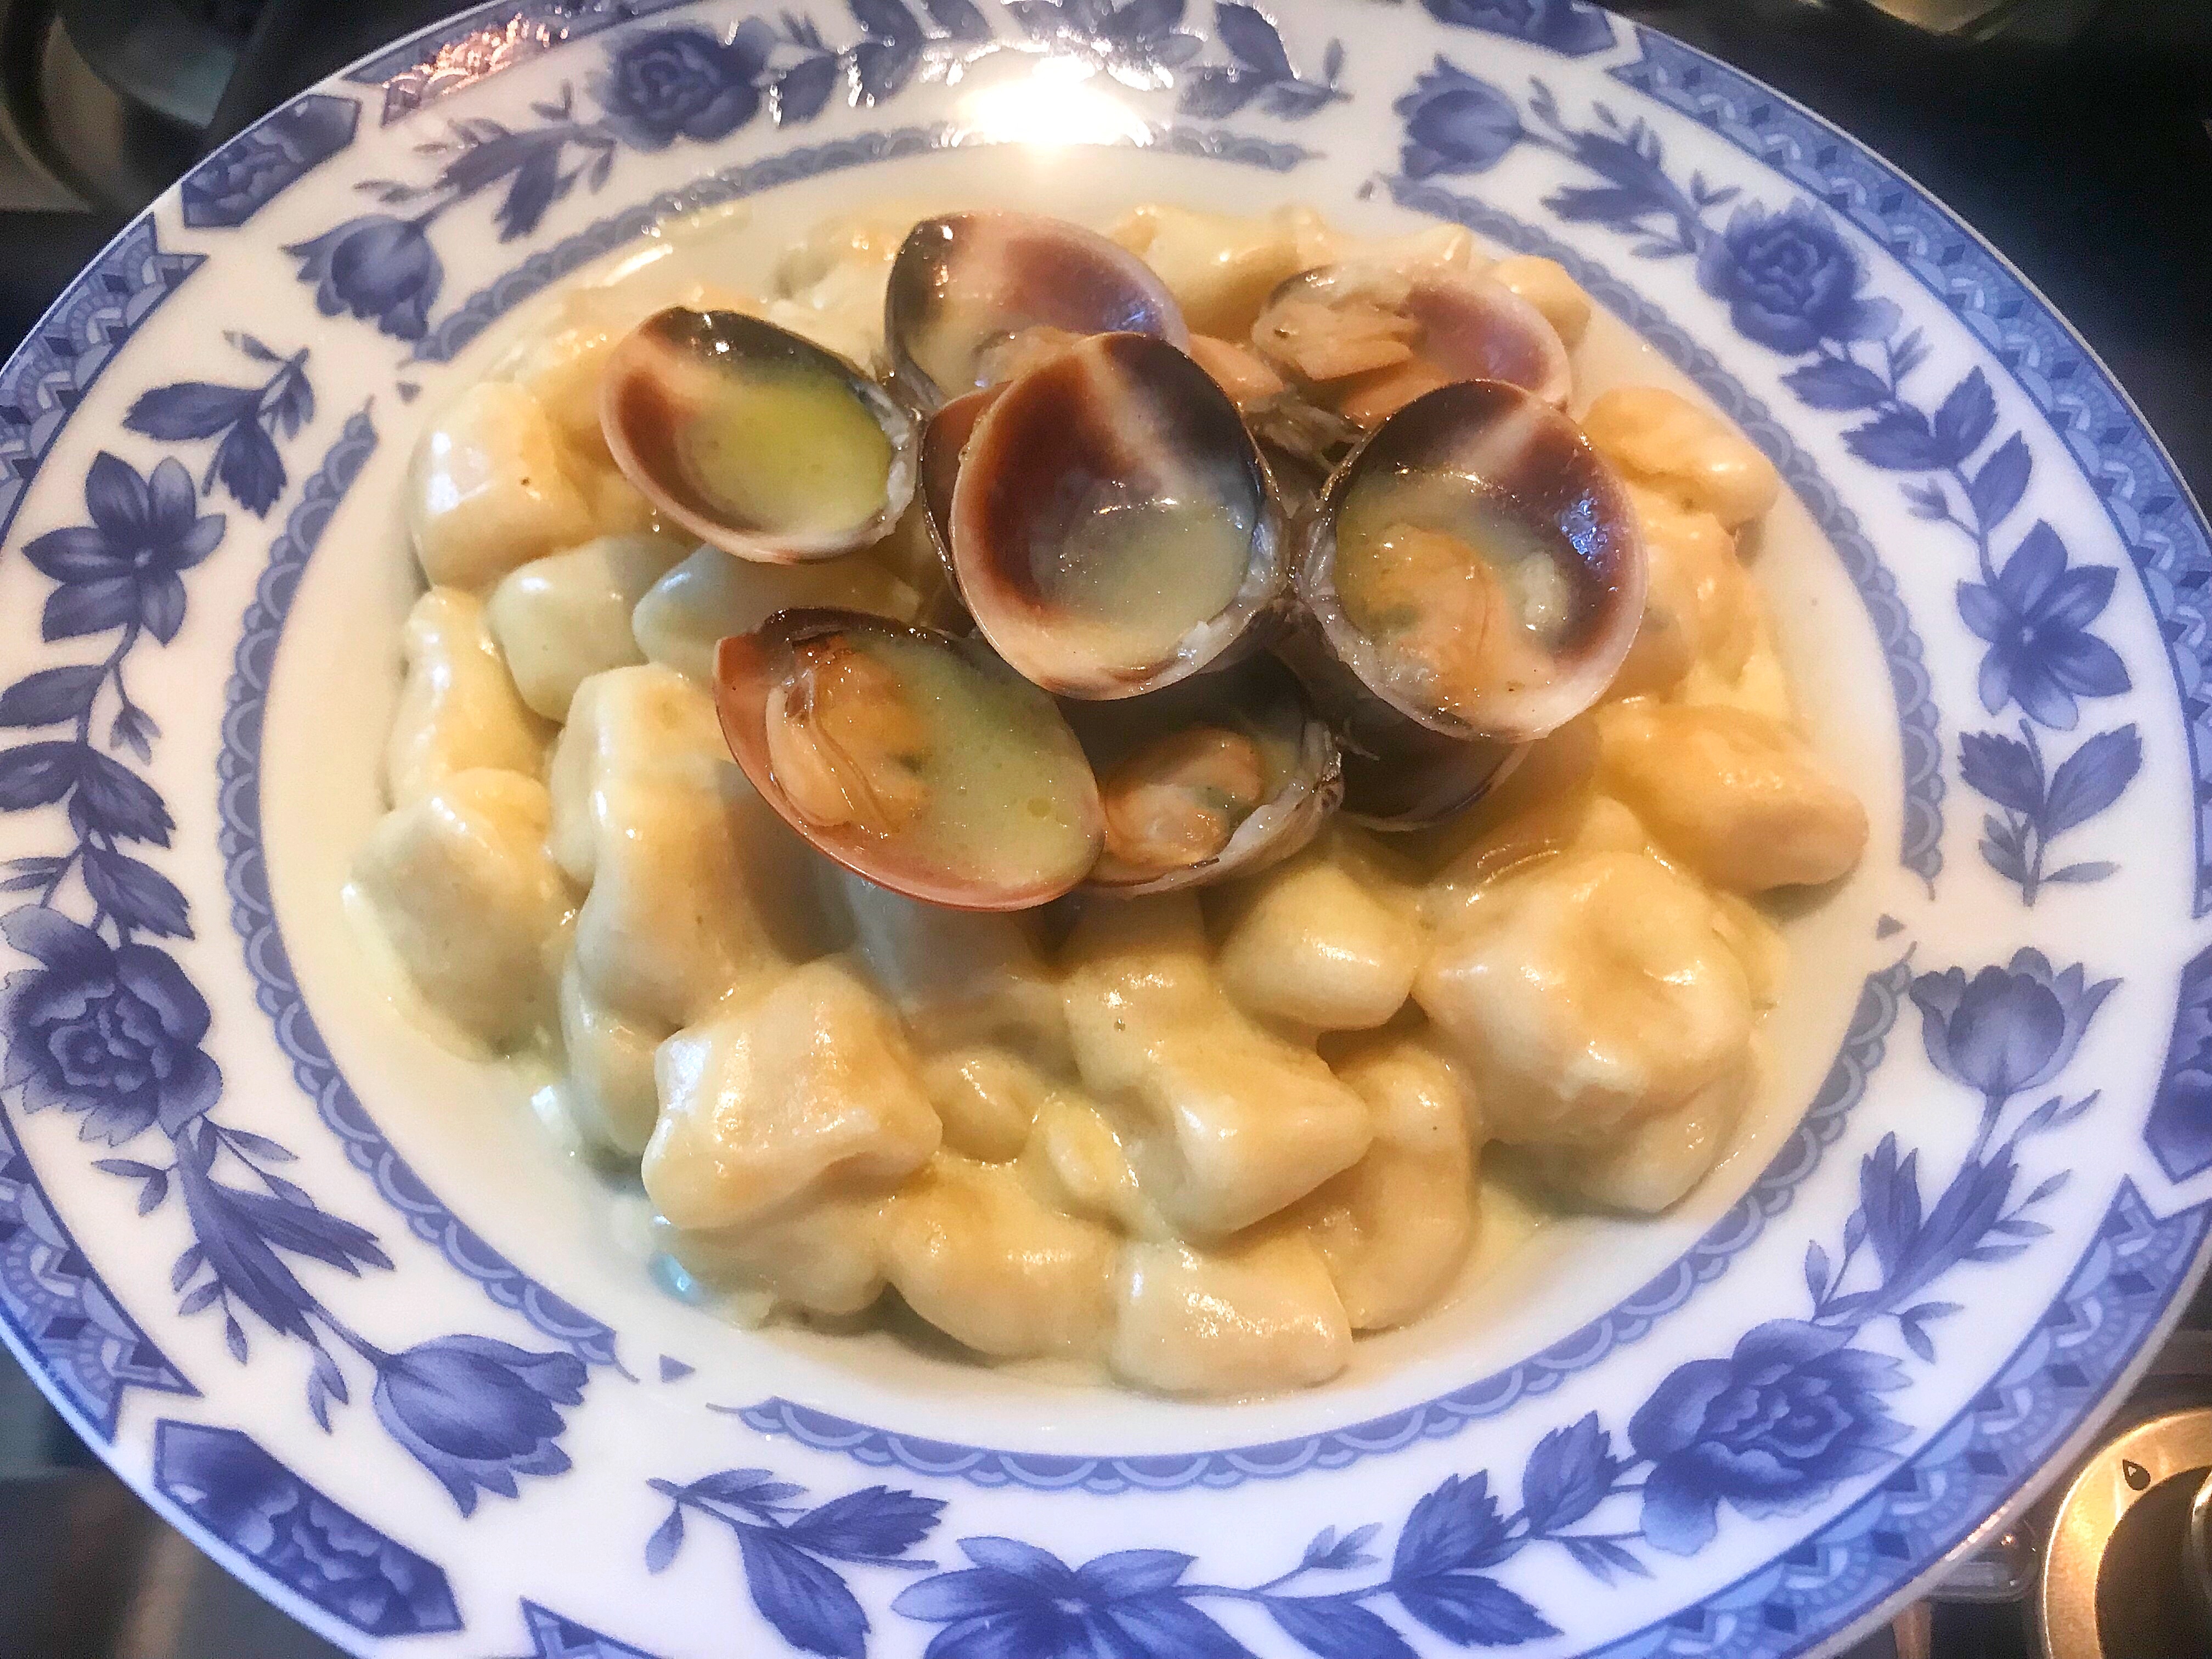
(1793, 284)
(1799, 1419)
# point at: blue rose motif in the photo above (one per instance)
(1771, 1429)
(1790, 280)
(1567, 27)
(1018, 1601)
(2036, 617)
(128, 564)
(1455, 123)
(2006, 1028)
(684, 83)
(381, 269)
(111, 1031)
(478, 1412)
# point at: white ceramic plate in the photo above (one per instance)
(337, 1305)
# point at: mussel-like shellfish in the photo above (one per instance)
(1360, 341)
(1113, 527)
(1219, 775)
(975, 298)
(911, 758)
(755, 440)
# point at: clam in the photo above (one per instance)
(755, 440)
(943, 441)
(1473, 570)
(1360, 341)
(1219, 775)
(1113, 527)
(974, 298)
(911, 758)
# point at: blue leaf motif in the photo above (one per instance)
(667, 1539)
(1336, 1630)
(38, 773)
(959, 19)
(809, 1606)
(1569, 1474)
(1252, 40)
(2003, 768)
(112, 798)
(52, 696)
(1965, 417)
(802, 89)
(1897, 440)
(1889, 1198)
(1212, 93)
(1330, 1553)
(1836, 383)
(136, 894)
(2091, 778)
(1472, 1610)
(190, 410)
(872, 1523)
(2002, 480)
(1455, 1526)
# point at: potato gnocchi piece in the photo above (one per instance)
(611, 1095)
(1654, 1163)
(825, 1257)
(710, 595)
(460, 886)
(1545, 284)
(807, 1091)
(1583, 820)
(959, 977)
(459, 708)
(1587, 995)
(1226, 1123)
(1219, 267)
(1310, 946)
(1395, 1227)
(1698, 608)
(1432, 248)
(980, 1258)
(1737, 797)
(1659, 438)
(562, 619)
(1252, 1316)
(698, 890)
(1074, 1161)
(489, 489)
(987, 1099)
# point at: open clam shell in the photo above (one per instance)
(755, 440)
(1475, 565)
(1358, 341)
(1113, 526)
(1220, 776)
(911, 758)
(944, 438)
(974, 297)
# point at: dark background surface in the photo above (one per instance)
(2078, 147)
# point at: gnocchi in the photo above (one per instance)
(1198, 1141)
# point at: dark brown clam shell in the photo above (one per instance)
(965, 282)
(748, 669)
(1115, 420)
(1506, 452)
(655, 385)
(943, 441)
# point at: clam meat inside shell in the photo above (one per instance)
(911, 758)
(1476, 566)
(1219, 775)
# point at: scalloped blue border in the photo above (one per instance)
(1880, 998)
(2149, 507)
(246, 875)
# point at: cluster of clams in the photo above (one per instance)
(1200, 592)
